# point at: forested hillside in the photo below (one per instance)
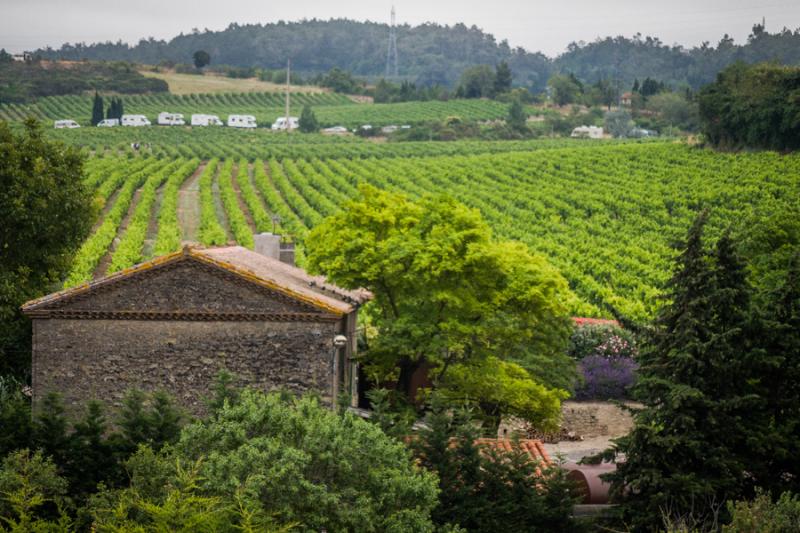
(432, 53)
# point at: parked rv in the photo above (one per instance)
(587, 132)
(206, 120)
(335, 130)
(241, 121)
(170, 119)
(282, 124)
(69, 124)
(108, 123)
(135, 120)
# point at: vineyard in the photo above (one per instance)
(331, 109)
(206, 143)
(604, 216)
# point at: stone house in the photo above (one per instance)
(172, 323)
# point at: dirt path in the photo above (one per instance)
(106, 208)
(242, 205)
(102, 267)
(189, 206)
(219, 208)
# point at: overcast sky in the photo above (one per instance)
(546, 26)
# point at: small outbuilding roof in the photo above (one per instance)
(256, 268)
(533, 447)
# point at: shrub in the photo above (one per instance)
(761, 515)
(605, 378)
(603, 340)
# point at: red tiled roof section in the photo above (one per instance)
(583, 321)
(297, 280)
(533, 447)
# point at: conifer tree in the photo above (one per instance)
(97, 109)
(308, 120)
(691, 442)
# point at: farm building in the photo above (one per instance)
(172, 323)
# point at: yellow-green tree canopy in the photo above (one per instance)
(447, 294)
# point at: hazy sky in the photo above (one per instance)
(547, 26)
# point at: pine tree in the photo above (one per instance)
(517, 116)
(308, 121)
(97, 109)
(691, 442)
(502, 78)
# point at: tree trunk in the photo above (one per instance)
(407, 370)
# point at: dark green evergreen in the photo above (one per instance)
(308, 120)
(517, 118)
(97, 109)
(502, 78)
(693, 440)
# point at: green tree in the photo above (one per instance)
(308, 120)
(483, 489)
(564, 89)
(45, 213)
(31, 493)
(618, 123)
(700, 425)
(674, 110)
(502, 78)
(97, 109)
(201, 58)
(299, 460)
(477, 82)
(446, 293)
(517, 117)
(15, 417)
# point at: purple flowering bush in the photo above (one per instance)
(605, 378)
(606, 357)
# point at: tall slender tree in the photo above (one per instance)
(97, 109)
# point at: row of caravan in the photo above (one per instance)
(176, 119)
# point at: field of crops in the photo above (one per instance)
(331, 109)
(604, 216)
(223, 143)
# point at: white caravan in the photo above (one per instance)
(282, 124)
(206, 120)
(170, 119)
(241, 121)
(69, 124)
(108, 123)
(135, 120)
(587, 132)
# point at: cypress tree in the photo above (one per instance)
(308, 120)
(690, 445)
(97, 109)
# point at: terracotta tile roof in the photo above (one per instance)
(582, 321)
(256, 268)
(533, 447)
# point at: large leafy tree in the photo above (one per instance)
(694, 437)
(45, 213)
(447, 295)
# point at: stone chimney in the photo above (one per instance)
(270, 245)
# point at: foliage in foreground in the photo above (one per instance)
(45, 213)
(762, 515)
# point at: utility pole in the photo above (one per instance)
(391, 52)
(288, 84)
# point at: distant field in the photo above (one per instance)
(215, 84)
(604, 214)
(331, 109)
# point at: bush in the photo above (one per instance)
(603, 340)
(605, 378)
(763, 516)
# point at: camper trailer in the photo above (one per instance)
(587, 132)
(241, 121)
(108, 123)
(135, 120)
(282, 124)
(206, 120)
(69, 124)
(170, 119)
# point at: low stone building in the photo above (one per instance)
(172, 323)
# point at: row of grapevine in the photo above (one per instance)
(129, 252)
(236, 219)
(97, 245)
(211, 232)
(169, 232)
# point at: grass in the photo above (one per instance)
(214, 83)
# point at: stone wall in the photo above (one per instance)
(594, 419)
(102, 359)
